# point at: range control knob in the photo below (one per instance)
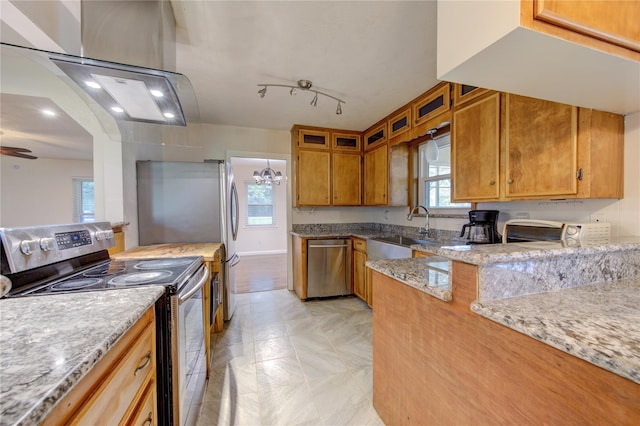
(99, 235)
(108, 235)
(47, 244)
(28, 246)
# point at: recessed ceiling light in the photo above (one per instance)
(48, 112)
(117, 109)
(156, 93)
(92, 84)
(168, 115)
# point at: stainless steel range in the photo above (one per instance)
(55, 259)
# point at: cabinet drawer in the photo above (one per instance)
(360, 245)
(146, 413)
(118, 391)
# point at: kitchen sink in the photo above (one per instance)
(406, 241)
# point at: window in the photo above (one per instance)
(83, 206)
(435, 174)
(260, 211)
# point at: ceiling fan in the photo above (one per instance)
(16, 152)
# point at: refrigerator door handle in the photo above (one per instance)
(233, 260)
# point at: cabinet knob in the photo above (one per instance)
(492, 182)
(509, 180)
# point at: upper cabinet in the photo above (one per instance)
(327, 167)
(400, 122)
(375, 136)
(510, 147)
(431, 104)
(584, 53)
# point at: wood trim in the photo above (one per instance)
(439, 363)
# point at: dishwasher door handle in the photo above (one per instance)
(314, 246)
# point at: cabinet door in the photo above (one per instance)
(433, 103)
(359, 274)
(400, 123)
(376, 176)
(475, 150)
(463, 93)
(611, 21)
(346, 142)
(316, 139)
(375, 136)
(314, 178)
(541, 147)
(346, 175)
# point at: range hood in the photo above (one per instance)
(127, 92)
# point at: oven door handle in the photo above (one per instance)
(184, 297)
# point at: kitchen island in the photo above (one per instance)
(49, 344)
(502, 350)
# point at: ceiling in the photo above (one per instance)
(376, 56)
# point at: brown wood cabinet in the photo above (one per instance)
(329, 172)
(433, 103)
(299, 260)
(510, 147)
(438, 363)
(475, 150)
(119, 388)
(313, 178)
(375, 136)
(346, 179)
(464, 92)
(376, 176)
(541, 148)
(360, 282)
(400, 123)
(611, 22)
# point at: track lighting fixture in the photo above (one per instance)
(302, 85)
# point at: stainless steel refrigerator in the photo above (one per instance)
(182, 202)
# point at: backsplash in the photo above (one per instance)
(370, 227)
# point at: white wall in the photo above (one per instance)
(254, 240)
(38, 192)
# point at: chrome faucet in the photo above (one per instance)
(416, 209)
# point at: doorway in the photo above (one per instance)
(263, 236)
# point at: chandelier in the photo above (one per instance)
(268, 176)
(306, 86)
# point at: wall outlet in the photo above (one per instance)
(598, 217)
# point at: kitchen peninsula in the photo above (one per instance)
(533, 333)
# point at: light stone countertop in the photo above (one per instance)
(427, 274)
(484, 254)
(599, 323)
(49, 343)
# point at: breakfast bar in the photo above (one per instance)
(498, 332)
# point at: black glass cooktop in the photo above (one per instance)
(113, 274)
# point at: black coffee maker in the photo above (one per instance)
(482, 227)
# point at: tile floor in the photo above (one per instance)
(280, 361)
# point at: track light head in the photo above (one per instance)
(262, 92)
(339, 109)
(314, 101)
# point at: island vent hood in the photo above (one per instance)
(127, 92)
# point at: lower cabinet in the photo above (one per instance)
(120, 388)
(361, 274)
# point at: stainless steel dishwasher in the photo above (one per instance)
(328, 267)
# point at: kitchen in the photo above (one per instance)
(277, 143)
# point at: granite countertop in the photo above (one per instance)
(599, 323)
(483, 254)
(206, 250)
(364, 234)
(49, 343)
(427, 274)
